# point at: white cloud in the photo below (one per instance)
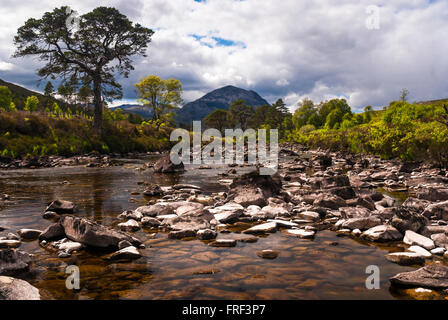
(291, 49)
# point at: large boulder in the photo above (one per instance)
(440, 240)
(329, 201)
(354, 212)
(227, 213)
(193, 220)
(16, 289)
(413, 238)
(408, 219)
(432, 276)
(14, 262)
(92, 234)
(418, 205)
(165, 165)
(53, 232)
(382, 233)
(61, 207)
(254, 189)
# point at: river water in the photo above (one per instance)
(327, 267)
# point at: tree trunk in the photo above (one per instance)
(98, 111)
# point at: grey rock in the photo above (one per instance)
(16, 289)
(53, 232)
(431, 276)
(413, 238)
(61, 207)
(13, 262)
(383, 233)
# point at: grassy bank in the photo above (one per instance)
(37, 134)
(409, 131)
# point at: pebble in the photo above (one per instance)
(267, 254)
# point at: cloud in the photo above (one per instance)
(282, 49)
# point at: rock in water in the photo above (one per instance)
(432, 276)
(128, 253)
(16, 289)
(405, 258)
(13, 262)
(29, 234)
(92, 234)
(383, 233)
(164, 165)
(254, 189)
(52, 233)
(413, 238)
(61, 207)
(267, 254)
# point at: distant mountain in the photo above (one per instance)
(145, 112)
(218, 99)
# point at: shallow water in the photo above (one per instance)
(173, 269)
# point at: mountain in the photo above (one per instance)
(146, 113)
(218, 99)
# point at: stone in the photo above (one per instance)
(61, 207)
(272, 211)
(70, 246)
(16, 289)
(29, 234)
(131, 226)
(13, 262)
(382, 233)
(50, 215)
(429, 230)
(180, 234)
(301, 233)
(438, 251)
(165, 165)
(329, 201)
(418, 204)
(308, 215)
(413, 238)
(223, 243)
(421, 251)
(53, 232)
(150, 222)
(124, 244)
(438, 210)
(354, 212)
(433, 194)
(267, 254)
(362, 223)
(127, 253)
(92, 234)
(269, 227)
(283, 223)
(227, 213)
(129, 214)
(254, 189)
(405, 258)
(433, 276)
(440, 240)
(189, 207)
(4, 244)
(153, 190)
(206, 234)
(408, 219)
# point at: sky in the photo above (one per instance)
(363, 51)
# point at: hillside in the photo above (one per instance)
(220, 98)
(145, 112)
(19, 95)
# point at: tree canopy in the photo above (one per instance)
(93, 54)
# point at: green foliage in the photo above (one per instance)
(31, 103)
(217, 119)
(6, 98)
(403, 130)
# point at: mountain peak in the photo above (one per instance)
(220, 98)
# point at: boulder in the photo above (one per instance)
(16, 289)
(361, 223)
(269, 227)
(354, 212)
(13, 262)
(440, 240)
(149, 222)
(382, 233)
(180, 234)
(438, 210)
(92, 234)
(130, 226)
(165, 165)
(433, 194)
(301, 233)
(413, 238)
(195, 220)
(429, 230)
(153, 190)
(432, 276)
(206, 234)
(61, 207)
(417, 204)
(421, 251)
(5, 244)
(267, 254)
(329, 201)
(29, 234)
(254, 189)
(308, 215)
(53, 232)
(127, 253)
(408, 219)
(405, 258)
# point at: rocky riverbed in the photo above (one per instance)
(148, 229)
